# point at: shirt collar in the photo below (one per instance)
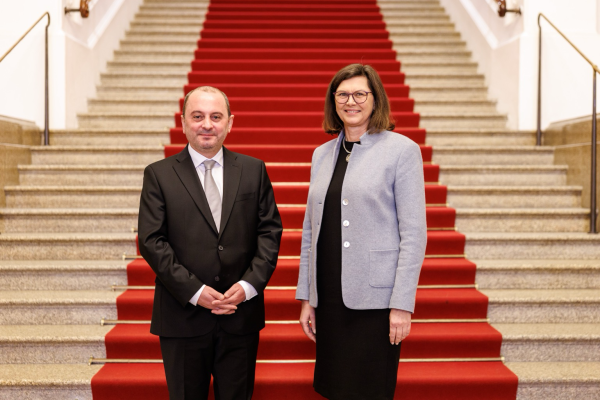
(198, 158)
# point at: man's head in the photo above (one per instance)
(206, 119)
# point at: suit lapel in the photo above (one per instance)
(232, 173)
(189, 177)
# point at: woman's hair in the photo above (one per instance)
(381, 118)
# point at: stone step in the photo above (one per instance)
(557, 380)
(434, 83)
(142, 57)
(538, 274)
(47, 381)
(391, 16)
(114, 104)
(106, 120)
(168, 30)
(480, 107)
(157, 78)
(434, 38)
(407, 27)
(456, 93)
(128, 196)
(503, 197)
(79, 155)
(550, 342)
(510, 175)
(73, 196)
(432, 70)
(138, 25)
(66, 246)
(131, 45)
(522, 220)
(51, 344)
(536, 245)
(140, 92)
(157, 65)
(147, 33)
(456, 121)
(560, 306)
(493, 155)
(180, 6)
(99, 137)
(62, 274)
(190, 11)
(57, 307)
(81, 175)
(46, 220)
(479, 137)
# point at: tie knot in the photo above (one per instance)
(209, 164)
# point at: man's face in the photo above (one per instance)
(206, 123)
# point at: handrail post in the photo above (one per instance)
(593, 213)
(538, 140)
(46, 94)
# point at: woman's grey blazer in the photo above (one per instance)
(384, 231)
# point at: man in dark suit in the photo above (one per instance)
(210, 230)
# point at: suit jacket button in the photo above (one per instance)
(221, 248)
(217, 278)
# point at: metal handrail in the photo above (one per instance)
(46, 118)
(593, 212)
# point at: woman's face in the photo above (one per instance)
(355, 116)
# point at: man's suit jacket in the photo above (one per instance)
(384, 232)
(179, 239)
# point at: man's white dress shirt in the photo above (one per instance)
(217, 173)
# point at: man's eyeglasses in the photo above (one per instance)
(359, 96)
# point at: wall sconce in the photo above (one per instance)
(84, 9)
(502, 10)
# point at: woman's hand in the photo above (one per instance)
(399, 325)
(307, 320)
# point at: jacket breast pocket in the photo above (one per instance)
(382, 267)
(245, 196)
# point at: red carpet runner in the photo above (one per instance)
(274, 59)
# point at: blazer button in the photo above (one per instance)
(345, 202)
(346, 244)
(346, 223)
(220, 247)
(217, 278)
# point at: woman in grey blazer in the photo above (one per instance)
(363, 241)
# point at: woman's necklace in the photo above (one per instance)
(349, 152)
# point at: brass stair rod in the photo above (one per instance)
(46, 118)
(594, 139)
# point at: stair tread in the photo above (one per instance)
(543, 264)
(556, 372)
(65, 297)
(52, 333)
(55, 375)
(545, 331)
(509, 296)
(63, 265)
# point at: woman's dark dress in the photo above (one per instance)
(355, 360)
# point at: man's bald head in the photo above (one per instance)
(207, 89)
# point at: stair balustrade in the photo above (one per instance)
(46, 118)
(595, 70)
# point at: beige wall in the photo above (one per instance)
(16, 139)
(572, 139)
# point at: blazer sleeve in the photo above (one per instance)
(303, 288)
(154, 244)
(409, 193)
(269, 231)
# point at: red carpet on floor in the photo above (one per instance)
(274, 59)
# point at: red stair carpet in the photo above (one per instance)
(274, 59)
